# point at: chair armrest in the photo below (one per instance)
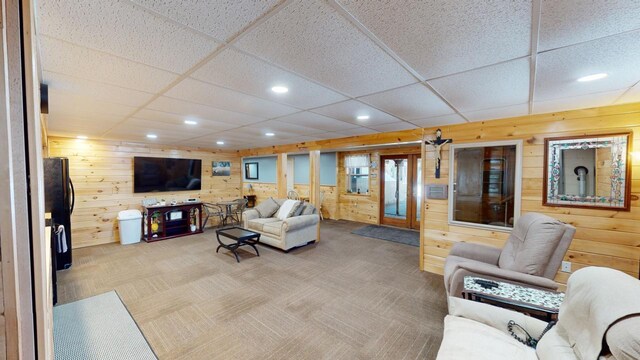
(298, 222)
(494, 316)
(250, 214)
(482, 253)
(508, 275)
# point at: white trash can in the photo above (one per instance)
(130, 226)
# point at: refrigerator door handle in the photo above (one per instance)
(73, 197)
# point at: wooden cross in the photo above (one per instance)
(437, 144)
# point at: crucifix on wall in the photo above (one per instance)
(437, 144)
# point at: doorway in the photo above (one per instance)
(400, 190)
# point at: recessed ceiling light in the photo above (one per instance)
(280, 89)
(82, 137)
(269, 134)
(220, 142)
(152, 136)
(191, 122)
(593, 77)
(363, 117)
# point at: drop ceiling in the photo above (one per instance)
(124, 69)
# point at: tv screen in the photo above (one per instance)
(163, 174)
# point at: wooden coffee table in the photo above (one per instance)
(241, 236)
(541, 304)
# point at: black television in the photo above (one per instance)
(166, 174)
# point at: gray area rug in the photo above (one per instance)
(99, 327)
(390, 234)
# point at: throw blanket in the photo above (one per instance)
(595, 299)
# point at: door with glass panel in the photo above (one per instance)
(400, 190)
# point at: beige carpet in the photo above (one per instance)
(348, 297)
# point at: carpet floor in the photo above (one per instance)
(347, 297)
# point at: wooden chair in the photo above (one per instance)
(320, 205)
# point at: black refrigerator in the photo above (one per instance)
(59, 200)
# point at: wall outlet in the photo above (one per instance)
(566, 266)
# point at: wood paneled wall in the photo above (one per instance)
(603, 237)
(329, 203)
(261, 190)
(102, 173)
(365, 208)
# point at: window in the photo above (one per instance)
(484, 187)
(357, 169)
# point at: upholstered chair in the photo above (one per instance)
(531, 257)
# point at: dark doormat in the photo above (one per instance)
(390, 234)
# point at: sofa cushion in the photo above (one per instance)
(299, 209)
(258, 224)
(623, 338)
(468, 339)
(273, 228)
(531, 244)
(267, 208)
(287, 209)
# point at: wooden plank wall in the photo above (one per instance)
(603, 238)
(261, 190)
(329, 203)
(365, 208)
(102, 173)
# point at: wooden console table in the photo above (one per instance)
(170, 221)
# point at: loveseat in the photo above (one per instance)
(599, 319)
(299, 228)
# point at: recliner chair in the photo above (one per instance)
(531, 257)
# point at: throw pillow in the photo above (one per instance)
(309, 210)
(267, 208)
(287, 207)
(299, 209)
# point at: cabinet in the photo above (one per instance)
(170, 221)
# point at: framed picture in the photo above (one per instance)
(221, 168)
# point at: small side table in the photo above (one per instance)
(241, 236)
(540, 304)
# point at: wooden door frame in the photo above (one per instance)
(408, 222)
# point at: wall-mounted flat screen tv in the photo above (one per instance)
(164, 174)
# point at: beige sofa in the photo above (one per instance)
(283, 234)
(599, 319)
(531, 256)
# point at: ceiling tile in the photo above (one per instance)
(125, 30)
(440, 121)
(64, 58)
(490, 87)
(312, 39)
(632, 95)
(349, 111)
(316, 121)
(393, 127)
(355, 132)
(69, 103)
(558, 70)
(221, 19)
(96, 90)
(184, 110)
(67, 125)
(409, 102)
(577, 102)
(498, 113)
(178, 121)
(438, 38)
(238, 71)
(570, 22)
(221, 98)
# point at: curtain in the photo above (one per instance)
(357, 161)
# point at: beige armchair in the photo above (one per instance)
(532, 256)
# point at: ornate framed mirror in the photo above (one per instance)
(588, 171)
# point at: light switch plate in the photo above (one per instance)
(566, 266)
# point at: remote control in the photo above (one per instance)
(486, 283)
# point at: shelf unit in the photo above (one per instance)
(171, 221)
